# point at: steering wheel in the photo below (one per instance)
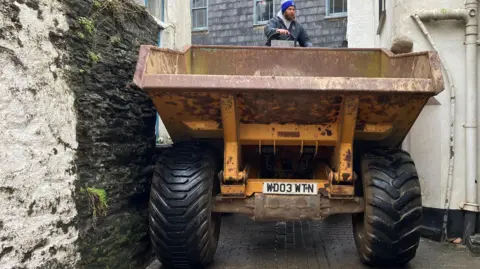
(290, 37)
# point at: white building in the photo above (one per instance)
(377, 23)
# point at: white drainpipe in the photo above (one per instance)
(469, 16)
(471, 126)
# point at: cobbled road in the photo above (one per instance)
(246, 244)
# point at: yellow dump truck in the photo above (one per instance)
(286, 134)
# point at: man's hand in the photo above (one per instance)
(283, 32)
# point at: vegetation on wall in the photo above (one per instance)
(95, 18)
(98, 202)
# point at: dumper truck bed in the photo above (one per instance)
(287, 85)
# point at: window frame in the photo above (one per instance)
(259, 23)
(192, 9)
(161, 4)
(329, 15)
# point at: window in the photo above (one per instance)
(336, 8)
(154, 7)
(264, 10)
(199, 14)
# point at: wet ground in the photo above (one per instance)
(245, 244)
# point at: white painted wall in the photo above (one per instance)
(361, 24)
(429, 138)
(178, 33)
(36, 120)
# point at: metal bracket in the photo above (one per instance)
(343, 155)
(232, 180)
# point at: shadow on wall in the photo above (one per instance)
(115, 130)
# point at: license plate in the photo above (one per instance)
(290, 188)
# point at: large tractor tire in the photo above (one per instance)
(388, 232)
(183, 230)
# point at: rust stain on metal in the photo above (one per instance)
(288, 134)
(287, 108)
(227, 102)
(348, 159)
(359, 125)
(348, 156)
(233, 190)
(340, 190)
(346, 176)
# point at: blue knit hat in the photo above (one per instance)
(286, 4)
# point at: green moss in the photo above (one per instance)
(101, 194)
(94, 57)
(98, 201)
(115, 40)
(80, 35)
(87, 24)
(97, 4)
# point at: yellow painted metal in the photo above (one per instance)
(232, 151)
(310, 135)
(288, 134)
(373, 131)
(231, 173)
(341, 191)
(342, 162)
(236, 191)
(204, 129)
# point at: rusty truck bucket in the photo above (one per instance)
(284, 100)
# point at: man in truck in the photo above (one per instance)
(284, 26)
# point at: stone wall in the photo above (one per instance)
(37, 140)
(73, 129)
(231, 22)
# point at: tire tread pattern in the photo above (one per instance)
(180, 207)
(388, 232)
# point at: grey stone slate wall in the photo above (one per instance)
(115, 129)
(231, 22)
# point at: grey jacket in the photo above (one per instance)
(295, 29)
